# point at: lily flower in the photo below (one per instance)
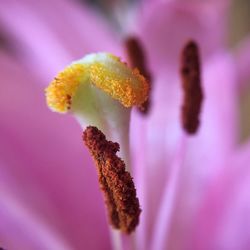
(192, 188)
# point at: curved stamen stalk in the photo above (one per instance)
(190, 72)
(166, 208)
(99, 91)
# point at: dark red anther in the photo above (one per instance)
(115, 182)
(191, 84)
(137, 59)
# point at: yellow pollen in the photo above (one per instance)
(61, 90)
(128, 86)
(107, 73)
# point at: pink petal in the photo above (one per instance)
(206, 151)
(223, 221)
(165, 26)
(51, 35)
(21, 229)
(151, 152)
(215, 141)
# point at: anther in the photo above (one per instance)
(105, 72)
(137, 59)
(191, 84)
(115, 182)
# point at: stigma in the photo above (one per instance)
(104, 71)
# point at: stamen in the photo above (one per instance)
(107, 73)
(137, 59)
(191, 84)
(116, 183)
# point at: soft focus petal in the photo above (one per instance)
(49, 35)
(214, 142)
(150, 144)
(46, 164)
(166, 26)
(223, 221)
(21, 229)
(218, 134)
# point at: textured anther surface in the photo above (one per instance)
(63, 88)
(115, 182)
(191, 84)
(106, 72)
(137, 59)
(115, 78)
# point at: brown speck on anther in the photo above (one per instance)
(116, 183)
(69, 100)
(137, 59)
(191, 84)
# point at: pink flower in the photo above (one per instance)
(193, 191)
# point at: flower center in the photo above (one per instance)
(98, 90)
